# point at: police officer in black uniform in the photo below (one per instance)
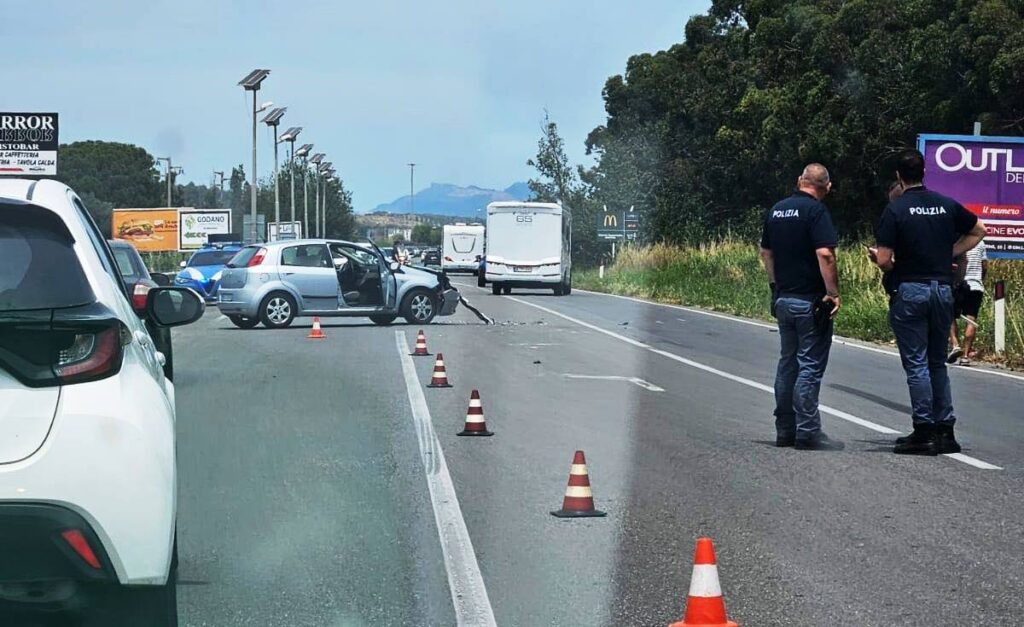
(798, 249)
(919, 235)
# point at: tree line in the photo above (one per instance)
(110, 175)
(704, 136)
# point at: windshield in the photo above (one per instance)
(701, 313)
(211, 258)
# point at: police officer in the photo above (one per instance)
(798, 248)
(919, 235)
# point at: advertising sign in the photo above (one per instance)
(283, 230)
(28, 144)
(149, 230)
(986, 175)
(616, 226)
(196, 225)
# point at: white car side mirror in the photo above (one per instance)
(181, 265)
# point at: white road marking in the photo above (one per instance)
(836, 340)
(680, 320)
(466, 584)
(647, 385)
(825, 409)
(221, 318)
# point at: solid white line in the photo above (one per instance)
(836, 340)
(825, 409)
(466, 584)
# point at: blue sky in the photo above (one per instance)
(457, 86)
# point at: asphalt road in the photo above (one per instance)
(312, 487)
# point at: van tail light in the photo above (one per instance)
(76, 540)
(257, 259)
(139, 295)
(62, 346)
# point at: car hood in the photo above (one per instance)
(410, 273)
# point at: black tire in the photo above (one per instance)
(243, 322)
(277, 310)
(495, 289)
(506, 290)
(419, 306)
(568, 286)
(558, 290)
(480, 280)
(383, 320)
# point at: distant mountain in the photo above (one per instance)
(445, 199)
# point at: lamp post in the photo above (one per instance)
(303, 152)
(252, 83)
(173, 174)
(324, 171)
(315, 160)
(329, 176)
(289, 136)
(272, 120)
(169, 166)
(412, 205)
(218, 188)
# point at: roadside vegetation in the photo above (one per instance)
(726, 275)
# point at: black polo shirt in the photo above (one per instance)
(921, 227)
(793, 230)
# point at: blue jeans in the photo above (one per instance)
(920, 315)
(805, 348)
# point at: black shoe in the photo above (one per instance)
(783, 440)
(920, 442)
(945, 441)
(819, 442)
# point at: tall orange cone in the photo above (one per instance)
(421, 345)
(440, 377)
(705, 606)
(316, 333)
(475, 423)
(579, 500)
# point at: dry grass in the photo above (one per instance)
(726, 275)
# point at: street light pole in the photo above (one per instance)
(305, 195)
(168, 160)
(273, 119)
(252, 83)
(412, 202)
(291, 171)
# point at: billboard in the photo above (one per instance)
(196, 225)
(28, 144)
(618, 225)
(986, 175)
(149, 230)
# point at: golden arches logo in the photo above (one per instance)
(610, 219)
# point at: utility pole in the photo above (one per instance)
(412, 203)
(168, 160)
(218, 188)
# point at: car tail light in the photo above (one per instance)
(76, 540)
(62, 346)
(139, 295)
(257, 259)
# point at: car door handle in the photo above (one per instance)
(288, 273)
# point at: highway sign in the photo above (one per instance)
(28, 144)
(616, 226)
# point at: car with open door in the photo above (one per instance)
(88, 477)
(274, 283)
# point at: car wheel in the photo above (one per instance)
(277, 310)
(243, 322)
(383, 320)
(568, 287)
(557, 290)
(419, 306)
(495, 289)
(480, 280)
(507, 290)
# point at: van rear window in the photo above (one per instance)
(38, 265)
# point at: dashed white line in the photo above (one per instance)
(466, 584)
(977, 463)
(647, 385)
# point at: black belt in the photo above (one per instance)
(808, 297)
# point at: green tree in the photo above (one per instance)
(428, 234)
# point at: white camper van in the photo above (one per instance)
(462, 247)
(528, 246)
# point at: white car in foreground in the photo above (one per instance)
(87, 453)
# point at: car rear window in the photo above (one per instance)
(213, 257)
(38, 265)
(125, 263)
(242, 257)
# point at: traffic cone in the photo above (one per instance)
(421, 345)
(704, 605)
(579, 500)
(475, 423)
(316, 333)
(440, 377)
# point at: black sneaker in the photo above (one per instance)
(819, 442)
(945, 441)
(920, 442)
(783, 440)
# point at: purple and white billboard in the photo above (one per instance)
(986, 175)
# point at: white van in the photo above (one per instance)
(528, 245)
(462, 247)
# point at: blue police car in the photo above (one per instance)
(203, 269)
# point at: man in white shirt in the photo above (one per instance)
(967, 303)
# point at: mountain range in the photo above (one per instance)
(445, 199)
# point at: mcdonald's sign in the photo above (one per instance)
(610, 219)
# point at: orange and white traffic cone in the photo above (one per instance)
(579, 500)
(421, 345)
(316, 333)
(475, 423)
(705, 606)
(440, 377)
